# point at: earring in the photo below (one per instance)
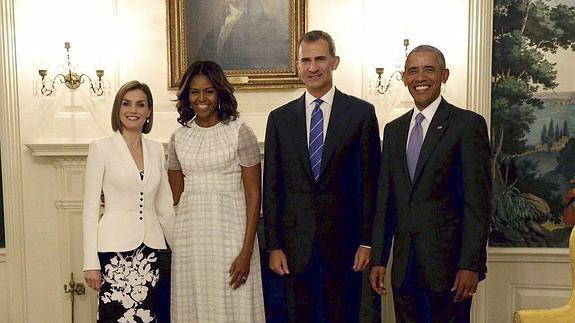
(147, 121)
(219, 107)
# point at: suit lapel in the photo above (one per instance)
(402, 140)
(335, 129)
(148, 162)
(438, 125)
(125, 154)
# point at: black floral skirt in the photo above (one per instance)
(130, 289)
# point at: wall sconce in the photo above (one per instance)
(70, 78)
(383, 83)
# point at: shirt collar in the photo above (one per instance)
(327, 98)
(429, 110)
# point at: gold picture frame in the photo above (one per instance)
(260, 55)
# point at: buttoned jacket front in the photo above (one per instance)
(136, 210)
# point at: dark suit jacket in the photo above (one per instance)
(338, 209)
(445, 212)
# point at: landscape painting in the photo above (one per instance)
(532, 121)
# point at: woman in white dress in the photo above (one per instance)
(214, 173)
(123, 249)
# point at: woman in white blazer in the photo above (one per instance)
(121, 246)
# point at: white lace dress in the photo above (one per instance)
(211, 223)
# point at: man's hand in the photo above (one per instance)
(377, 280)
(362, 258)
(93, 279)
(278, 262)
(465, 285)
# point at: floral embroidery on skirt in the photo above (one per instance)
(129, 286)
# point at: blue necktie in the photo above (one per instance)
(316, 139)
(414, 145)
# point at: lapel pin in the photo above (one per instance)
(439, 127)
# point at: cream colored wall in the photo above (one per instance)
(128, 38)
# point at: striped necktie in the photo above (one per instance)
(316, 139)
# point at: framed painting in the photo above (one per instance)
(254, 41)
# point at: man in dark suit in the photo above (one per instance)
(320, 185)
(433, 200)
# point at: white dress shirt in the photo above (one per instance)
(428, 113)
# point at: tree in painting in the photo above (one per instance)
(525, 32)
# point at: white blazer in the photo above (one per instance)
(136, 210)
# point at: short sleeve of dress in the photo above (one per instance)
(248, 148)
(173, 162)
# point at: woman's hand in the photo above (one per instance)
(93, 279)
(240, 269)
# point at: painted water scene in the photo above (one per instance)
(532, 121)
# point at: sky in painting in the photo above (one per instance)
(565, 60)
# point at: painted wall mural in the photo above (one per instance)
(533, 121)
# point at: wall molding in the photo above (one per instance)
(72, 151)
(524, 295)
(479, 48)
(528, 255)
(12, 167)
(479, 57)
(58, 149)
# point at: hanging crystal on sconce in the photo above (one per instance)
(46, 86)
(384, 83)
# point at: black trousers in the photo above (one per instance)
(319, 294)
(415, 304)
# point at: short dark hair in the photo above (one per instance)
(131, 86)
(429, 48)
(227, 103)
(315, 35)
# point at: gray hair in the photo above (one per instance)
(429, 48)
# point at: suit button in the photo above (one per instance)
(140, 212)
(140, 205)
(141, 193)
(141, 199)
(141, 218)
(412, 204)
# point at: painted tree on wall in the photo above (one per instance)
(523, 32)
